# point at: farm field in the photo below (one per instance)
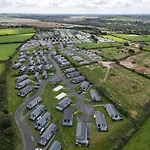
(137, 38)
(140, 141)
(13, 31)
(116, 53)
(125, 87)
(2, 67)
(15, 38)
(116, 39)
(7, 50)
(97, 45)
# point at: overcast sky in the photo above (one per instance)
(76, 6)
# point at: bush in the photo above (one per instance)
(5, 122)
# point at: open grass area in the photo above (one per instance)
(140, 141)
(2, 67)
(116, 53)
(15, 38)
(7, 50)
(116, 39)
(131, 37)
(97, 45)
(143, 59)
(125, 87)
(13, 31)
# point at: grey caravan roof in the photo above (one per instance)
(23, 82)
(37, 110)
(81, 131)
(114, 114)
(78, 79)
(44, 73)
(67, 114)
(44, 117)
(36, 74)
(21, 78)
(94, 95)
(55, 146)
(48, 130)
(69, 70)
(100, 120)
(26, 90)
(84, 85)
(73, 74)
(62, 104)
(55, 80)
(34, 102)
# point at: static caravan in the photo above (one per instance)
(49, 133)
(21, 78)
(23, 84)
(25, 91)
(56, 146)
(37, 112)
(17, 65)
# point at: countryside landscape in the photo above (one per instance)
(74, 82)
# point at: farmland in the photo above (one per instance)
(97, 45)
(14, 31)
(7, 50)
(116, 53)
(136, 38)
(140, 141)
(116, 39)
(123, 86)
(15, 38)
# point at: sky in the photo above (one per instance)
(76, 6)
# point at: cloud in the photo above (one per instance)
(91, 5)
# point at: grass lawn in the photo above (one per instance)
(147, 47)
(125, 87)
(145, 38)
(111, 37)
(15, 38)
(2, 67)
(13, 31)
(140, 141)
(116, 53)
(97, 45)
(7, 50)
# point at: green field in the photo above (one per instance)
(13, 31)
(15, 38)
(116, 53)
(131, 37)
(7, 50)
(119, 40)
(2, 67)
(143, 59)
(147, 43)
(126, 88)
(140, 141)
(97, 45)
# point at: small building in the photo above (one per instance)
(48, 67)
(94, 95)
(17, 65)
(31, 62)
(113, 113)
(101, 124)
(55, 80)
(40, 67)
(49, 133)
(63, 104)
(23, 69)
(82, 134)
(36, 76)
(56, 146)
(25, 91)
(23, 84)
(37, 112)
(44, 75)
(84, 86)
(43, 121)
(78, 79)
(73, 74)
(69, 70)
(21, 78)
(67, 117)
(34, 103)
(31, 68)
